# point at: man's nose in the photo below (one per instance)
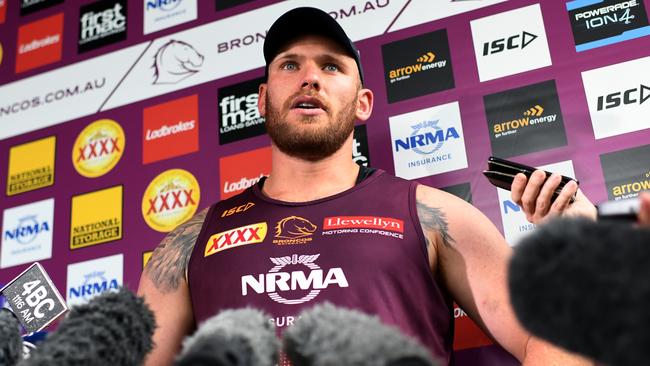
(311, 76)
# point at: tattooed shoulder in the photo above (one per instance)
(169, 260)
(434, 223)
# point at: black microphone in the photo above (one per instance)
(329, 336)
(583, 285)
(112, 329)
(241, 337)
(11, 343)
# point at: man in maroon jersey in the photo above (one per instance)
(322, 228)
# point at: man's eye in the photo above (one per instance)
(289, 66)
(331, 68)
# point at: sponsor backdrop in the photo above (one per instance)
(120, 119)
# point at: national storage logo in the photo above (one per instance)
(601, 23)
(417, 66)
(96, 217)
(30, 6)
(428, 142)
(240, 171)
(245, 235)
(507, 50)
(171, 198)
(239, 117)
(525, 120)
(101, 23)
(39, 43)
(27, 233)
(31, 165)
(170, 129)
(98, 148)
(162, 14)
(86, 280)
(627, 172)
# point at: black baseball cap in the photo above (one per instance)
(303, 21)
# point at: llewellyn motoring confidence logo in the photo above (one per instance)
(525, 120)
(101, 23)
(601, 23)
(428, 142)
(98, 148)
(90, 225)
(170, 199)
(417, 66)
(31, 166)
(627, 172)
(239, 117)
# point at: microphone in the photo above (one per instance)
(242, 337)
(11, 343)
(327, 336)
(114, 328)
(583, 285)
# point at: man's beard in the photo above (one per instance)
(305, 142)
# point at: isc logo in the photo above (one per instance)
(517, 41)
(630, 96)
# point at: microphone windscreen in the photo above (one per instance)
(11, 343)
(242, 337)
(326, 336)
(114, 328)
(583, 285)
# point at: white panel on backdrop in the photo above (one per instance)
(511, 42)
(27, 233)
(63, 94)
(617, 96)
(91, 278)
(423, 11)
(162, 14)
(515, 225)
(427, 142)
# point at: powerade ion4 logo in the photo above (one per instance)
(601, 23)
(98, 148)
(170, 199)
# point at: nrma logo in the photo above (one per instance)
(165, 5)
(95, 283)
(427, 137)
(27, 230)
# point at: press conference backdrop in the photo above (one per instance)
(120, 119)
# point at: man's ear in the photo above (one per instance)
(261, 99)
(364, 104)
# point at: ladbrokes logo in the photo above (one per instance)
(626, 172)
(428, 141)
(39, 43)
(31, 166)
(239, 172)
(280, 282)
(525, 120)
(176, 61)
(30, 6)
(386, 226)
(170, 129)
(170, 199)
(250, 234)
(597, 24)
(102, 23)
(294, 230)
(98, 148)
(238, 112)
(96, 217)
(418, 66)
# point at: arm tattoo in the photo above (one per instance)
(168, 263)
(434, 223)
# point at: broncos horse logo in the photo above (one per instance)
(293, 227)
(175, 61)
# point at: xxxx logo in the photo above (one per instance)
(170, 199)
(250, 234)
(98, 148)
(173, 198)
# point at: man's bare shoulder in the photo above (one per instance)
(432, 214)
(168, 264)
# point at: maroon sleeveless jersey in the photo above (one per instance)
(361, 249)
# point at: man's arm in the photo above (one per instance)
(164, 286)
(470, 256)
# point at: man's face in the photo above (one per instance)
(312, 98)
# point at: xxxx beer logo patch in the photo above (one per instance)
(170, 199)
(250, 234)
(98, 148)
